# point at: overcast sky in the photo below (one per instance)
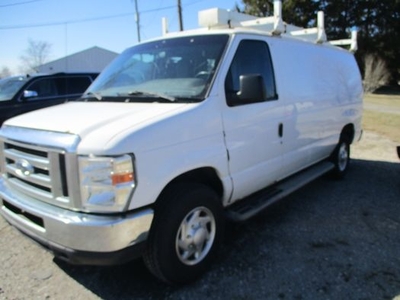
(71, 26)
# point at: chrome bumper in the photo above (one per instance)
(74, 230)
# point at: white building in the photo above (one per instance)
(90, 60)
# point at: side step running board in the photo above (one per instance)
(257, 202)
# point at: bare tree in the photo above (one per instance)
(5, 72)
(376, 73)
(36, 54)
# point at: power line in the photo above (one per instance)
(63, 22)
(19, 3)
(19, 26)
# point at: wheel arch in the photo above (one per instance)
(348, 133)
(205, 175)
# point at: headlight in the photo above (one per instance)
(106, 182)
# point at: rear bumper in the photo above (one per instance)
(77, 237)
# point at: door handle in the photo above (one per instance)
(280, 130)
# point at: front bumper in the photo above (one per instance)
(74, 236)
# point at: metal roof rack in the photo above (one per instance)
(221, 18)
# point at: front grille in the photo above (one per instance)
(34, 219)
(37, 172)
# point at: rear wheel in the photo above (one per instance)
(186, 233)
(341, 158)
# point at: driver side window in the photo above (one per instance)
(252, 58)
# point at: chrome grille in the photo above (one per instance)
(37, 172)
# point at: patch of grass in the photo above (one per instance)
(383, 123)
(387, 100)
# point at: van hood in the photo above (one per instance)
(83, 118)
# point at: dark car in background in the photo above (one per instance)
(21, 94)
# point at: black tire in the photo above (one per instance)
(341, 159)
(186, 233)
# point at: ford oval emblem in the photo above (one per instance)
(23, 168)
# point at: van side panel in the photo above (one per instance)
(322, 92)
(348, 106)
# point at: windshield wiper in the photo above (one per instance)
(96, 95)
(151, 94)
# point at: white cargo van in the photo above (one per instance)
(178, 134)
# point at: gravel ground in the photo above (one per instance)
(329, 240)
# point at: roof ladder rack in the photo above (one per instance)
(220, 18)
(352, 41)
(316, 34)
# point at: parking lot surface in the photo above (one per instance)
(329, 240)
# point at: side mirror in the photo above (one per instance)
(29, 94)
(252, 89)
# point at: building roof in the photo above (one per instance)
(90, 60)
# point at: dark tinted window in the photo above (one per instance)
(45, 87)
(252, 57)
(59, 86)
(10, 86)
(72, 85)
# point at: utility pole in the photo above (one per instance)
(137, 17)
(180, 15)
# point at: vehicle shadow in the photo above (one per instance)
(336, 239)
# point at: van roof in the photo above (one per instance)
(239, 31)
(227, 21)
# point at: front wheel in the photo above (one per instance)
(186, 233)
(341, 159)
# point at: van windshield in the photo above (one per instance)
(170, 70)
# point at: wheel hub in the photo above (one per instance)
(195, 236)
(200, 237)
(343, 157)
